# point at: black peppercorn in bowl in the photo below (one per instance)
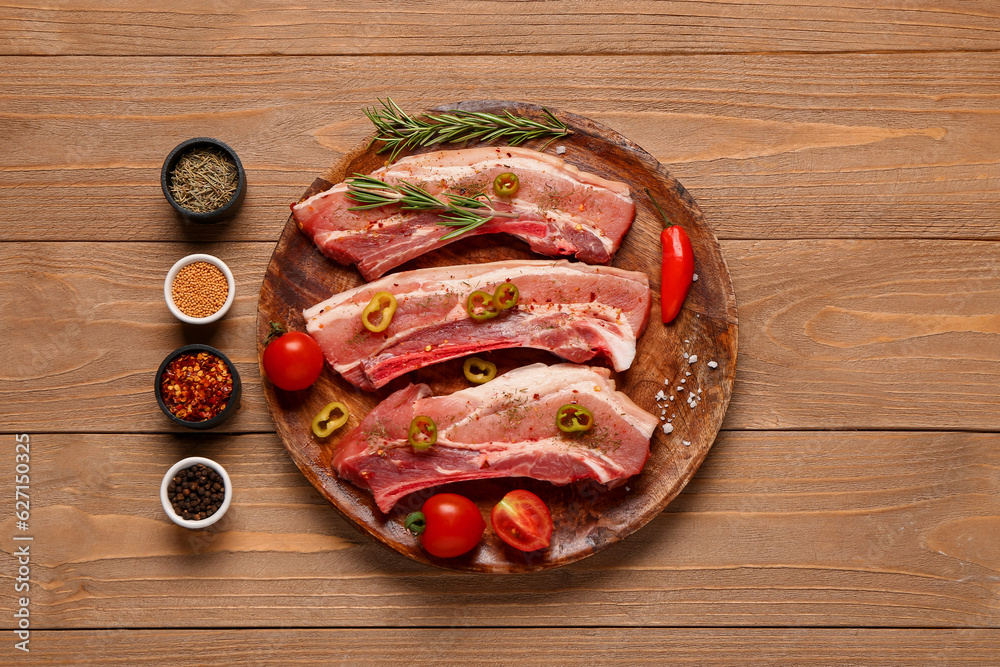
(203, 179)
(198, 387)
(190, 488)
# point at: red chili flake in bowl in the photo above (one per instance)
(196, 386)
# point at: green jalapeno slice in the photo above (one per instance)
(506, 184)
(480, 306)
(332, 423)
(572, 418)
(423, 433)
(479, 370)
(385, 305)
(506, 296)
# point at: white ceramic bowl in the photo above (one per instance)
(191, 259)
(187, 463)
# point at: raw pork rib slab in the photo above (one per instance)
(504, 428)
(574, 310)
(562, 210)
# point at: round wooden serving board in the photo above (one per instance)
(587, 516)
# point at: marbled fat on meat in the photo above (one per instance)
(574, 310)
(504, 428)
(561, 210)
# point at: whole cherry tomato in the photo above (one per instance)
(522, 520)
(293, 361)
(454, 525)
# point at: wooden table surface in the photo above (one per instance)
(846, 155)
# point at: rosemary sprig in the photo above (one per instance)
(399, 131)
(466, 213)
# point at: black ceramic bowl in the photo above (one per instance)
(234, 400)
(225, 211)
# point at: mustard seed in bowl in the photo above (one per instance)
(199, 289)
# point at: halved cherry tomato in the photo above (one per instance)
(522, 520)
(293, 361)
(454, 525)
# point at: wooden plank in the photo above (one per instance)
(446, 26)
(833, 334)
(877, 529)
(866, 334)
(786, 146)
(464, 646)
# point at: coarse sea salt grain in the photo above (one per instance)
(683, 380)
(671, 398)
(687, 443)
(713, 364)
(693, 358)
(694, 278)
(668, 428)
(685, 355)
(560, 150)
(687, 373)
(660, 395)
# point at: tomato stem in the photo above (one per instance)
(415, 522)
(276, 332)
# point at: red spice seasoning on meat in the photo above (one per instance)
(196, 386)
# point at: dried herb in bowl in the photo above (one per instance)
(204, 179)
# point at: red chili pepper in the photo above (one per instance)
(677, 267)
